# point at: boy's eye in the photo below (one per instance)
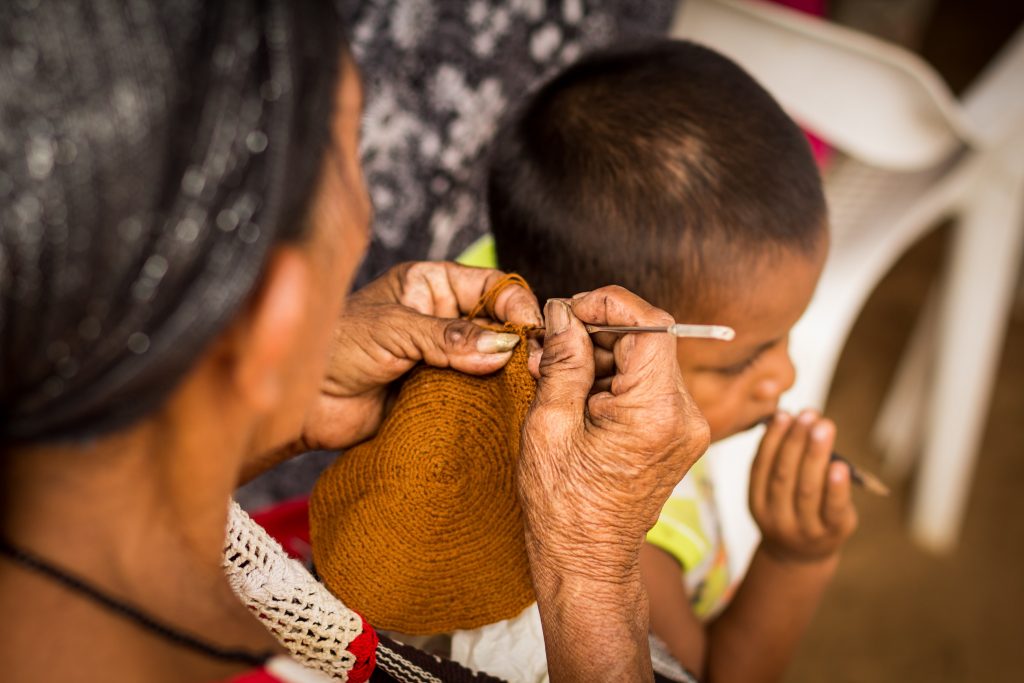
(744, 365)
(738, 368)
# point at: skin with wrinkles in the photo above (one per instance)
(619, 450)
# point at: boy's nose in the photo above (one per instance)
(778, 377)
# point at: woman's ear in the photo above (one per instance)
(265, 335)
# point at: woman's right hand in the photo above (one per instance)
(596, 467)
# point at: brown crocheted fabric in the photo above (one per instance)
(419, 529)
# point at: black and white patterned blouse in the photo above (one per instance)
(439, 75)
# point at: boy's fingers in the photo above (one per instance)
(785, 470)
(812, 480)
(766, 453)
(838, 512)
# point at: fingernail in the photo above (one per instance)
(820, 431)
(556, 316)
(496, 342)
(838, 472)
(806, 417)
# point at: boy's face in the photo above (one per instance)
(737, 384)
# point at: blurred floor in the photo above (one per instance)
(895, 612)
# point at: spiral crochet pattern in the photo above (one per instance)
(420, 528)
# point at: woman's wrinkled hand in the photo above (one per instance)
(599, 462)
(410, 314)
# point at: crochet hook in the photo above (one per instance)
(720, 332)
(862, 478)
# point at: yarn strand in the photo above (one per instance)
(490, 297)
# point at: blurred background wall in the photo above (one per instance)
(896, 612)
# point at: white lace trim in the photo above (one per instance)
(311, 623)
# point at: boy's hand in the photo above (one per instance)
(800, 498)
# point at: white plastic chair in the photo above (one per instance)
(912, 154)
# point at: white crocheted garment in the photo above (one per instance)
(311, 623)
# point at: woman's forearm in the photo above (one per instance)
(755, 638)
(593, 630)
(594, 470)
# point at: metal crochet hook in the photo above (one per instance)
(720, 332)
(861, 477)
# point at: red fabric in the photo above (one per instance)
(364, 647)
(821, 149)
(288, 524)
(815, 7)
(255, 676)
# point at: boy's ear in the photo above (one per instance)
(263, 337)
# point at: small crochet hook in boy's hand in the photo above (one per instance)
(799, 496)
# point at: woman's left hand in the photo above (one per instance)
(410, 314)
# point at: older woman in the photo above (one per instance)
(182, 212)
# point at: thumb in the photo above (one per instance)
(567, 363)
(456, 343)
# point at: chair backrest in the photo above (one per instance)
(874, 101)
(994, 103)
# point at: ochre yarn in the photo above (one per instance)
(420, 529)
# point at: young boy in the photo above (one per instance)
(666, 169)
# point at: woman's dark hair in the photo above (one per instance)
(660, 166)
(151, 153)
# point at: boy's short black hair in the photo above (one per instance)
(662, 167)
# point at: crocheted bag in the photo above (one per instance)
(420, 528)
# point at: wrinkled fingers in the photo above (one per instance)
(450, 290)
